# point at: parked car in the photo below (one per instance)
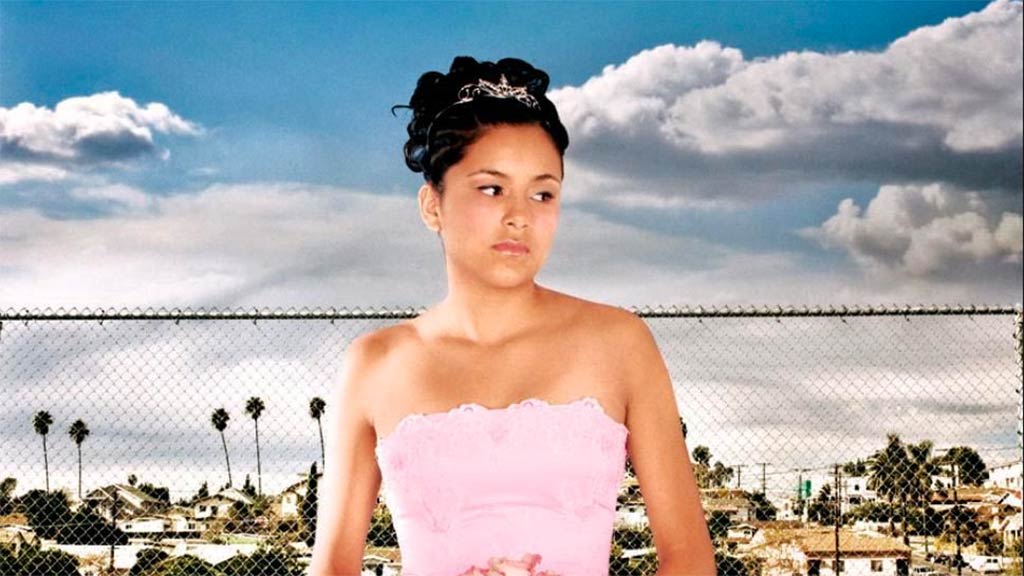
(986, 564)
(926, 571)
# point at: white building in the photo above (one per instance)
(219, 505)
(1007, 475)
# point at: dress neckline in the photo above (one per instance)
(588, 400)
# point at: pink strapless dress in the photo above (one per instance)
(475, 482)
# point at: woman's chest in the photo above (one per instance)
(431, 380)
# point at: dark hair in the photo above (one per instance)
(453, 127)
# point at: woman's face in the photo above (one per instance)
(506, 187)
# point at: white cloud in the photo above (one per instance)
(924, 230)
(942, 103)
(14, 172)
(82, 131)
(288, 244)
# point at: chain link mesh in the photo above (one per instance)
(876, 440)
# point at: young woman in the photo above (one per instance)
(499, 419)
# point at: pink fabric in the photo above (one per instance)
(475, 482)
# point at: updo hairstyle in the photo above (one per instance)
(454, 126)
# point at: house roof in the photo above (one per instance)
(387, 553)
(226, 495)
(819, 542)
(134, 495)
(823, 545)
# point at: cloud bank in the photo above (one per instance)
(80, 132)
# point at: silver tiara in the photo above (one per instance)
(500, 90)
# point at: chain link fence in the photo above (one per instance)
(824, 440)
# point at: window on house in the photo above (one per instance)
(876, 565)
(841, 568)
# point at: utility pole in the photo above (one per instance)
(739, 475)
(113, 528)
(956, 516)
(838, 514)
(764, 482)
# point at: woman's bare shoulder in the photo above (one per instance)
(597, 315)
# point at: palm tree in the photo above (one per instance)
(41, 422)
(889, 468)
(921, 485)
(219, 419)
(254, 407)
(78, 432)
(316, 411)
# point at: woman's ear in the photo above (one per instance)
(430, 207)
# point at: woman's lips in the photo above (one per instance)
(511, 248)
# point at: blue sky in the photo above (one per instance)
(298, 94)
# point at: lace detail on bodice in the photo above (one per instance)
(410, 419)
(475, 481)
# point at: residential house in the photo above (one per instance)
(287, 504)
(219, 505)
(858, 554)
(733, 501)
(790, 549)
(17, 537)
(1007, 475)
(131, 501)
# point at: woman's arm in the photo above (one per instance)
(657, 449)
(348, 490)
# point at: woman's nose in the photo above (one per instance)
(517, 211)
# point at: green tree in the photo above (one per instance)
(856, 468)
(50, 562)
(762, 507)
(972, 469)
(46, 511)
(7, 495)
(709, 476)
(822, 509)
(890, 469)
(718, 524)
(88, 528)
(186, 565)
(42, 422)
(309, 506)
(919, 487)
(219, 419)
(161, 493)
(79, 432)
(248, 488)
(266, 560)
(726, 565)
(203, 491)
(147, 558)
(254, 408)
(316, 412)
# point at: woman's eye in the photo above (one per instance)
(549, 195)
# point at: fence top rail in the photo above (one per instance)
(176, 314)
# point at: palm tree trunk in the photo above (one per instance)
(79, 470)
(46, 464)
(892, 523)
(226, 459)
(322, 457)
(259, 471)
(903, 508)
